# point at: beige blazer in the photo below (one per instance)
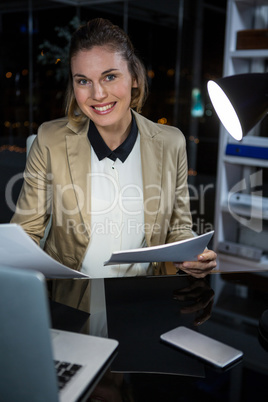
(57, 180)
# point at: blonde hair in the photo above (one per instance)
(101, 32)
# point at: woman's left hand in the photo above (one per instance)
(200, 268)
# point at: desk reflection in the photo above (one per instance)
(201, 295)
(135, 311)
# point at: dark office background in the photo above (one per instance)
(180, 55)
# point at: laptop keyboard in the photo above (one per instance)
(65, 372)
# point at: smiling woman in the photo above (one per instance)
(100, 33)
(113, 179)
(102, 87)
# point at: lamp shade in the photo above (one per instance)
(240, 101)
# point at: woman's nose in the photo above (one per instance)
(98, 92)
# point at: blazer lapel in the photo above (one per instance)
(152, 169)
(79, 159)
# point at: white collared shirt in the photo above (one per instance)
(117, 214)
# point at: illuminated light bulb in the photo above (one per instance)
(225, 110)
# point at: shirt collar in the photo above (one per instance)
(103, 151)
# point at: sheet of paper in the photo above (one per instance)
(18, 250)
(184, 250)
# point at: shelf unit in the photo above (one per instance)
(241, 214)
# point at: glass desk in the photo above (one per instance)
(136, 311)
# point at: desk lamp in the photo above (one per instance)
(240, 101)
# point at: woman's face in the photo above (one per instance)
(102, 86)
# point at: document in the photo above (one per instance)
(18, 250)
(184, 250)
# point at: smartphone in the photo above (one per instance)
(202, 346)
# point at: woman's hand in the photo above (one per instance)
(200, 268)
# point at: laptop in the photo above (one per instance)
(30, 351)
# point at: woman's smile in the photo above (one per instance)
(104, 108)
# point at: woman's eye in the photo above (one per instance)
(82, 81)
(110, 77)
